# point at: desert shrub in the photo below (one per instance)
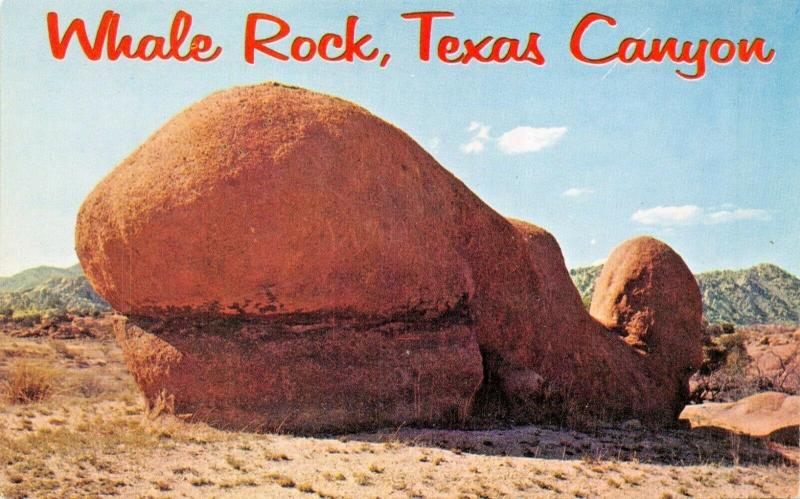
(723, 375)
(28, 382)
(27, 319)
(723, 346)
(731, 341)
(61, 348)
(57, 316)
(728, 373)
(733, 346)
(712, 331)
(90, 385)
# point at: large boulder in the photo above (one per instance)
(647, 295)
(590, 366)
(309, 377)
(286, 259)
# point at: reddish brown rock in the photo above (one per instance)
(648, 296)
(279, 251)
(760, 415)
(273, 200)
(589, 367)
(311, 378)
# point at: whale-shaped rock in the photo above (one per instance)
(285, 259)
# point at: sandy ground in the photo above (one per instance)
(89, 438)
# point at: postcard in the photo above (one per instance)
(399, 249)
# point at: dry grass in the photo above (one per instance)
(334, 477)
(61, 348)
(89, 438)
(362, 479)
(271, 455)
(201, 482)
(28, 381)
(234, 462)
(282, 480)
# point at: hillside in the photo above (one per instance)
(584, 279)
(761, 294)
(49, 290)
(758, 295)
(30, 278)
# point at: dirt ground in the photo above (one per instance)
(87, 437)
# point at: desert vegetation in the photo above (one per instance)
(48, 292)
(72, 423)
(741, 361)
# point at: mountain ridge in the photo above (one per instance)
(35, 276)
(49, 290)
(761, 294)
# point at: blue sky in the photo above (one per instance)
(595, 154)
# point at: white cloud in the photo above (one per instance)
(599, 261)
(481, 130)
(480, 135)
(574, 192)
(593, 242)
(472, 147)
(519, 140)
(529, 139)
(668, 215)
(733, 215)
(434, 143)
(671, 216)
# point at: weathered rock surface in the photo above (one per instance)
(319, 377)
(647, 295)
(759, 415)
(591, 366)
(288, 259)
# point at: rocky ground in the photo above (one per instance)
(749, 360)
(773, 355)
(72, 425)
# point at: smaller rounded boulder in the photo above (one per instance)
(647, 295)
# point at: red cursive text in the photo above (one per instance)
(633, 50)
(451, 50)
(330, 46)
(148, 48)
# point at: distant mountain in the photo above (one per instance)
(50, 290)
(30, 278)
(584, 279)
(761, 294)
(764, 294)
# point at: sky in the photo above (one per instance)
(596, 154)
